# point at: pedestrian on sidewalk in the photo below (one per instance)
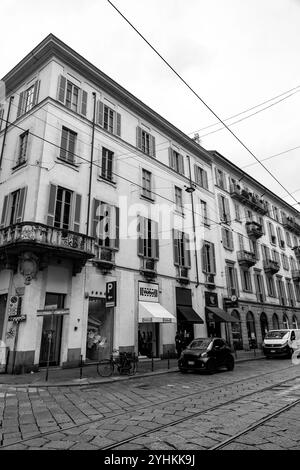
(179, 343)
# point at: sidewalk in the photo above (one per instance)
(58, 377)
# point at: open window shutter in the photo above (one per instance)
(224, 239)
(196, 174)
(141, 235)
(187, 249)
(152, 143)
(205, 180)
(175, 245)
(171, 158)
(228, 280)
(84, 97)
(51, 206)
(155, 240)
(101, 222)
(220, 206)
(231, 246)
(95, 219)
(77, 211)
(61, 91)
(118, 126)
(99, 114)
(227, 209)
(213, 258)
(21, 204)
(216, 176)
(4, 211)
(36, 92)
(270, 231)
(236, 283)
(181, 165)
(139, 137)
(21, 104)
(263, 290)
(204, 259)
(117, 229)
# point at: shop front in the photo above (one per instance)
(186, 315)
(217, 319)
(99, 330)
(151, 314)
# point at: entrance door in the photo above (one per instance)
(148, 339)
(3, 300)
(52, 331)
(100, 330)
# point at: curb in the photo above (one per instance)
(87, 381)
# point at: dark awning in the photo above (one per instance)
(216, 314)
(189, 314)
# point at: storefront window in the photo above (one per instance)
(264, 326)
(237, 331)
(99, 330)
(251, 330)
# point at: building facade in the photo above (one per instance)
(116, 229)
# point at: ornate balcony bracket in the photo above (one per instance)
(28, 266)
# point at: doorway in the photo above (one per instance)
(52, 331)
(3, 301)
(99, 330)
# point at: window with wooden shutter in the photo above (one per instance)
(61, 89)
(1, 116)
(51, 205)
(21, 205)
(4, 211)
(176, 247)
(139, 137)
(84, 98)
(99, 113)
(187, 251)
(118, 125)
(67, 146)
(77, 211)
(141, 235)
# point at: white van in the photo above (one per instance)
(281, 342)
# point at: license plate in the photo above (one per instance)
(273, 350)
(191, 363)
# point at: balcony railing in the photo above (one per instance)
(290, 224)
(38, 235)
(296, 274)
(254, 230)
(248, 199)
(246, 258)
(271, 266)
(148, 268)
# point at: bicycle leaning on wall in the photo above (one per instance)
(125, 363)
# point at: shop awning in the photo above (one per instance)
(189, 314)
(216, 314)
(153, 312)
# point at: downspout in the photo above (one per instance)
(194, 226)
(91, 167)
(5, 130)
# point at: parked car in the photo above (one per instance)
(281, 343)
(206, 354)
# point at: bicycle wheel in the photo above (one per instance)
(105, 368)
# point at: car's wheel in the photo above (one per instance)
(230, 363)
(211, 366)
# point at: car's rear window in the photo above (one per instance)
(278, 334)
(200, 343)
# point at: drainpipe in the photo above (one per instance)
(5, 130)
(193, 214)
(91, 167)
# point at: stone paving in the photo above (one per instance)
(94, 417)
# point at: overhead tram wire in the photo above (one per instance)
(202, 101)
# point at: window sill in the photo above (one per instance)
(179, 212)
(146, 198)
(206, 225)
(105, 180)
(73, 166)
(19, 166)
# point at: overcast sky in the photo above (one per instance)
(236, 54)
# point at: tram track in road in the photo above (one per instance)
(180, 399)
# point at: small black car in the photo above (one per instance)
(206, 354)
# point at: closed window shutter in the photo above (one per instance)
(205, 180)
(228, 280)
(117, 229)
(227, 210)
(51, 205)
(196, 174)
(187, 251)
(118, 125)
(21, 204)
(141, 235)
(171, 161)
(216, 177)
(231, 246)
(21, 104)
(152, 146)
(176, 248)
(181, 164)
(139, 138)
(224, 240)
(95, 219)
(236, 283)
(84, 97)
(204, 259)
(154, 240)
(220, 207)
(213, 258)
(61, 92)
(4, 211)
(99, 117)
(77, 211)
(36, 92)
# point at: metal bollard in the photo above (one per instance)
(168, 359)
(81, 364)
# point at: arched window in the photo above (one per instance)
(251, 329)
(295, 322)
(285, 322)
(236, 329)
(275, 321)
(264, 326)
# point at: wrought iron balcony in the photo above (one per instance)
(296, 275)
(45, 241)
(271, 266)
(246, 258)
(254, 230)
(290, 224)
(104, 258)
(183, 275)
(148, 268)
(248, 199)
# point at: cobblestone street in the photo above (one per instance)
(166, 412)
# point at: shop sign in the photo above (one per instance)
(13, 305)
(53, 311)
(148, 292)
(111, 294)
(231, 302)
(17, 318)
(211, 299)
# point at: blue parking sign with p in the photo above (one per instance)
(111, 294)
